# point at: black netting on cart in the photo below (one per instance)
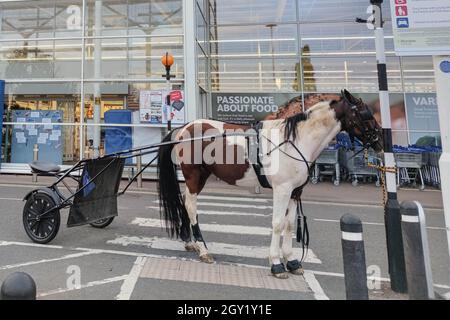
(98, 199)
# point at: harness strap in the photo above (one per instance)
(302, 235)
(257, 167)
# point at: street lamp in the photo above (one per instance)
(167, 61)
(271, 26)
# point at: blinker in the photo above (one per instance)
(366, 115)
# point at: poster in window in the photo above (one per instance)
(151, 106)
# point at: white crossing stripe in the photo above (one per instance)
(213, 247)
(220, 228)
(66, 257)
(229, 205)
(242, 199)
(83, 286)
(222, 213)
(130, 282)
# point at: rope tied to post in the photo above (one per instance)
(383, 170)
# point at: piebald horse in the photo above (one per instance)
(287, 148)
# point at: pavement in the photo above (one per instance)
(134, 259)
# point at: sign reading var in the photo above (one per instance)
(421, 27)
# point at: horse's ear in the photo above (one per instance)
(349, 97)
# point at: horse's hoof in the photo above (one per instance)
(283, 275)
(206, 258)
(190, 248)
(295, 267)
(278, 271)
(298, 272)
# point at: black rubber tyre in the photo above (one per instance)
(44, 229)
(102, 223)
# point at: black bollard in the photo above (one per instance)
(18, 286)
(417, 254)
(354, 258)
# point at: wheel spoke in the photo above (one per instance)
(32, 225)
(34, 212)
(46, 215)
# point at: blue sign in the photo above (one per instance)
(445, 66)
(402, 23)
(2, 110)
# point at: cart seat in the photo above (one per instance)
(44, 167)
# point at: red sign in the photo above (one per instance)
(176, 96)
(400, 1)
(401, 11)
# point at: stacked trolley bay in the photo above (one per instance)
(344, 164)
(415, 166)
(327, 164)
(418, 165)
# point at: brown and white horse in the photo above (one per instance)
(287, 147)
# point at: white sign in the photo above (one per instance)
(421, 27)
(150, 106)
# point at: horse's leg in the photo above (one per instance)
(199, 244)
(293, 265)
(195, 181)
(281, 196)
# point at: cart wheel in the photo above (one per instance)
(377, 184)
(102, 223)
(336, 183)
(355, 182)
(422, 187)
(314, 180)
(40, 229)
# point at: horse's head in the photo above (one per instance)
(358, 121)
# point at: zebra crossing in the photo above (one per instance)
(244, 220)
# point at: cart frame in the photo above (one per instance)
(45, 203)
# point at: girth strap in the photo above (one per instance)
(262, 178)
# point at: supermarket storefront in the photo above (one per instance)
(74, 69)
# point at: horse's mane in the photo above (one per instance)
(291, 123)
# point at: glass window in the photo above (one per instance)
(255, 75)
(356, 73)
(33, 109)
(137, 57)
(418, 74)
(341, 39)
(40, 19)
(254, 11)
(337, 10)
(40, 59)
(137, 17)
(256, 40)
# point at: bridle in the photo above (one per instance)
(361, 120)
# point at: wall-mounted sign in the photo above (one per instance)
(153, 108)
(246, 108)
(423, 118)
(421, 27)
(150, 106)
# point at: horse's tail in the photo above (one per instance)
(170, 198)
